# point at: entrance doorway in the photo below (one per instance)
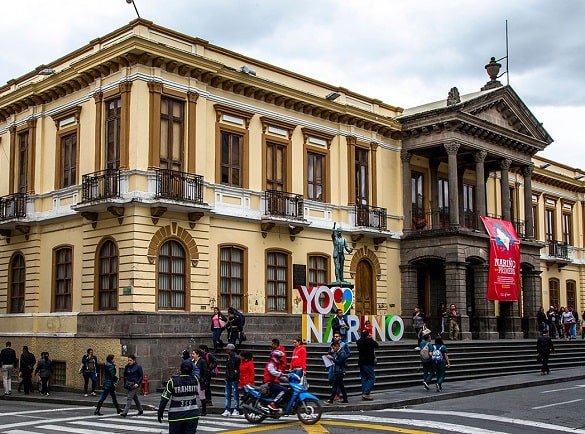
(365, 285)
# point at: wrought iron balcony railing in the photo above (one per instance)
(283, 204)
(439, 219)
(104, 184)
(558, 249)
(371, 217)
(13, 206)
(179, 186)
(520, 228)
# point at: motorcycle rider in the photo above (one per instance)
(273, 371)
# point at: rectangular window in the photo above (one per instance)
(63, 279)
(318, 270)
(59, 376)
(68, 156)
(171, 133)
(275, 166)
(113, 125)
(567, 229)
(231, 278)
(549, 215)
(22, 162)
(443, 202)
(231, 159)
(572, 294)
(361, 176)
(535, 220)
(315, 176)
(553, 293)
(17, 284)
(277, 282)
(417, 199)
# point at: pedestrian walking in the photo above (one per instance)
(211, 373)
(218, 322)
(367, 346)
(427, 359)
(233, 327)
(89, 367)
(232, 377)
(133, 377)
(419, 321)
(44, 370)
(26, 367)
(202, 368)
(541, 320)
(544, 347)
(441, 362)
(339, 358)
(9, 364)
(181, 391)
(109, 385)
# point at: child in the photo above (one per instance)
(246, 368)
(440, 362)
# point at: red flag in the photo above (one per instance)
(504, 274)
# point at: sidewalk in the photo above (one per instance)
(389, 399)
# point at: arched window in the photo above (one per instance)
(231, 277)
(171, 276)
(277, 284)
(108, 276)
(553, 293)
(17, 284)
(572, 294)
(63, 279)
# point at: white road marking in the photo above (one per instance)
(492, 418)
(558, 403)
(419, 423)
(28, 413)
(578, 386)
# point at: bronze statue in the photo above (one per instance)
(340, 246)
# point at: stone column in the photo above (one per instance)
(452, 149)
(505, 188)
(480, 198)
(405, 157)
(455, 281)
(528, 218)
(511, 320)
(486, 322)
(532, 299)
(409, 296)
(434, 166)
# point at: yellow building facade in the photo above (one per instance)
(149, 176)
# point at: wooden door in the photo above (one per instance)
(364, 289)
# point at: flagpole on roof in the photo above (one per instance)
(507, 71)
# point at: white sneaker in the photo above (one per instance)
(85, 395)
(226, 413)
(235, 413)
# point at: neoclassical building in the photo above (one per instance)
(149, 176)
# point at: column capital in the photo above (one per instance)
(405, 156)
(98, 96)
(527, 170)
(479, 156)
(505, 163)
(452, 148)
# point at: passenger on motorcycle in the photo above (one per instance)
(273, 371)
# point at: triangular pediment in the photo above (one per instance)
(503, 107)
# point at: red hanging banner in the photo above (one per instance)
(504, 274)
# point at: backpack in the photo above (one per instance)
(241, 316)
(438, 355)
(425, 353)
(212, 363)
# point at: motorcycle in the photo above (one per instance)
(302, 403)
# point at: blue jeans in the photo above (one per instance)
(368, 377)
(86, 377)
(231, 389)
(428, 371)
(216, 334)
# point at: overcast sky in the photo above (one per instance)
(404, 52)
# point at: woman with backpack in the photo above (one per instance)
(440, 361)
(218, 322)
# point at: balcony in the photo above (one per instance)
(557, 253)
(13, 206)
(283, 204)
(179, 186)
(438, 219)
(285, 210)
(371, 217)
(99, 186)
